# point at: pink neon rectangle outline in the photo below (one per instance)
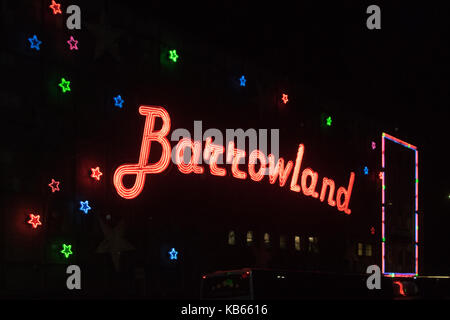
(416, 206)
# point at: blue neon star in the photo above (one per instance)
(85, 206)
(173, 254)
(366, 170)
(34, 43)
(243, 80)
(118, 101)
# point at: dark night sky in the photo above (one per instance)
(396, 77)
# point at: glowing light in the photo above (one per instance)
(366, 170)
(67, 250)
(142, 168)
(118, 101)
(279, 170)
(311, 190)
(173, 254)
(34, 43)
(298, 162)
(346, 193)
(416, 209)
(214, 152)
(328, 183)
(284, 98)
(173, 55)
(211, 153)
(96, 173)
(65, 85)
(242, 80)
(73, 43)
(329, 121)
(54, 185)
(257, 155)
(56, 7)
(380, 175)
(235, 155)
(35, 220)
(196, 151)
(85, 206)
(374, 145)
(372, 230)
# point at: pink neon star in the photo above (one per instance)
(285, 98)
(54, 185)
(73, 43)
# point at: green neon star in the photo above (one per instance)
(65, 85)
(66, 250)
(173, 55)
(329, 121)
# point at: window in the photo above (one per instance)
(360, 249)
(283, 242)
(249, 238)
(231, 238)
(313, 244)
(266, 239)
(297, 243)
(368, 250)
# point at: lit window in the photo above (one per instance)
(368, 250)
(249, 237)
(297, 243)
(360, 249)
(283, 242)
(266, 239)
(313, 247)
(231, 238)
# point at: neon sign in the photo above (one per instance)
(305, 181)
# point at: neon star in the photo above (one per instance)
(242, 80)
(34, 220)
(65, 85)
(73, 43)
(380, 175)
(34, 43)
(85, 206)
(173, 55)
(374, 145)
(285, 98)
(67, 250)
(118, 101)
(366, 170)
(96, 173)
(54, 185)
(56, 7)
(372, 230)
(329, 121)
(173, 254)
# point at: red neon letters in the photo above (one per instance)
(196, 151)
(212, 152)
(142, 168)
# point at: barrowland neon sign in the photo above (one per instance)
(279, 171)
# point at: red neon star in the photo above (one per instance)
(372, 230)
(34, 220)
(285, 98)
(56, 7)
(54, 185)
(96, 173)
